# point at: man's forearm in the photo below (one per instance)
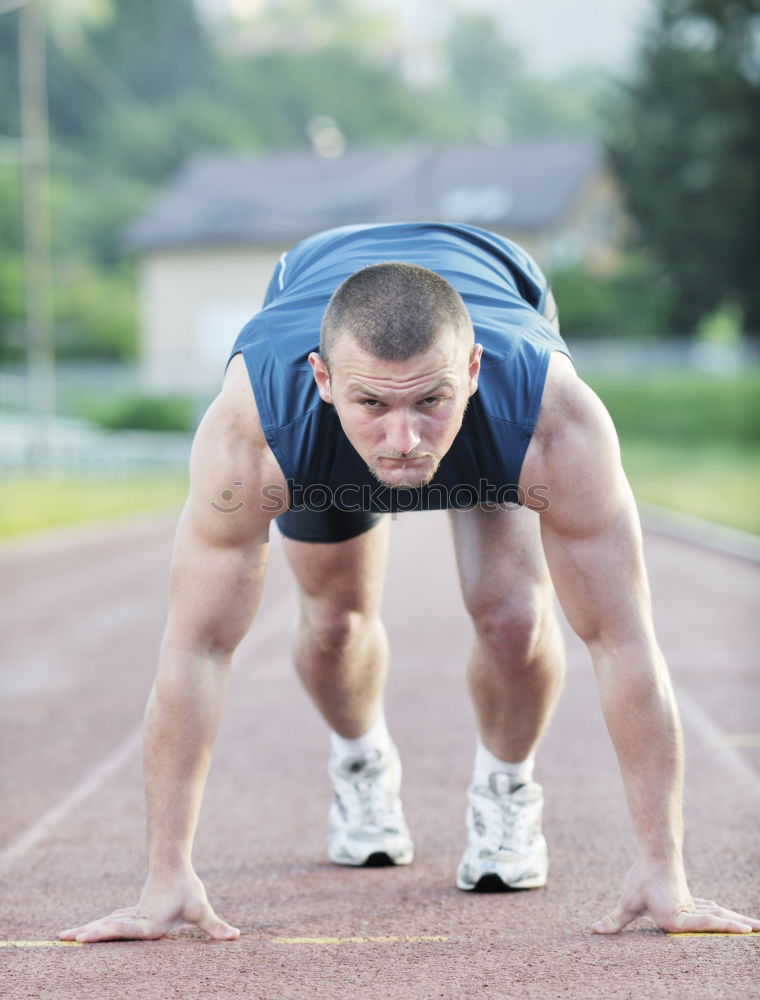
(181, 722)
(642, 718)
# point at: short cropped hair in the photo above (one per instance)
(394, 311)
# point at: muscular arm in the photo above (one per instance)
(592, 541)
(216, 578)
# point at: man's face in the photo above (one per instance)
(401, 416)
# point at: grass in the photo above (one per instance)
(691, 441)
(685, 408)
(717, 482)
(30, 504)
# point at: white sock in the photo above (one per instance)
(486, 765)
(376, 738)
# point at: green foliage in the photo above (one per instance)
(91, 204)
(279, 91)
(142, 412)
(9, 86)
(11, 271)
(491, 96)
(136, 88)
(685, 140)
(95, 311)
(631, 303)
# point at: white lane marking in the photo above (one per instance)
(384, 939)
(700, 532)
(52, 819)
(55, 816)
(701, 724)
(748, 741)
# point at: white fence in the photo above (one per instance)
(63, 445)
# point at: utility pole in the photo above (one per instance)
(40, 351)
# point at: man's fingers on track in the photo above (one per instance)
(721, 911)
(218, 929)
(119, 930)
(71, 933)
(707, 922)
(615, 921)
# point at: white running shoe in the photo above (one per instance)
(505, 846)
(366, 823)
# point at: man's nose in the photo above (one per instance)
(401, 434)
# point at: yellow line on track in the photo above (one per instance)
(712, 934)
(41, 944)
(389, 939)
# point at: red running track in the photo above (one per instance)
(80, 623)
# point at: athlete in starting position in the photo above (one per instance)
(440, 381)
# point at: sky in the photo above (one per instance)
(559, 35)
(554, 36)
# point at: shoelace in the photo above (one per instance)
(369, 795)
(372, 802)
(507, 822)
(513, 825)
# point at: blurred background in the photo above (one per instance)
(157, 158)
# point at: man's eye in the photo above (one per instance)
(430, 401)
(371, 404)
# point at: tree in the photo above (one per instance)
(687, 147)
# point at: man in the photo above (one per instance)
(441, 381)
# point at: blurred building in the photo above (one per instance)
(209, 242)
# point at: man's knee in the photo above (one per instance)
(511, 626)
(334, 630)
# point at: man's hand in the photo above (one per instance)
(660, 892)
(162, 907)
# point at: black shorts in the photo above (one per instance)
(331, 525)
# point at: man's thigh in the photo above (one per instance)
(345, 575)
(500, 557)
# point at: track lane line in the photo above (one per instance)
(377, 939)
(41, 944)
(50, 820)
(712, 934)
(704, 728)
(276, 619)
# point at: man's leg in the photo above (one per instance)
(515, 675)
(341, 655)
(340, 648)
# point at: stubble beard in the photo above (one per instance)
(405, 484)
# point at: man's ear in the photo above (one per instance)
(321, 376)
(474, 366)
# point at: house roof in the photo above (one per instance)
(279, 197)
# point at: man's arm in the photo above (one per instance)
(217, 573)
(592, 540)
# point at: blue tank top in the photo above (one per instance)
(505, 293)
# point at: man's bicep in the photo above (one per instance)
(222, 539)
(600, 578)
(591, 532)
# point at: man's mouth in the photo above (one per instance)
(410, 471)
(412, 457)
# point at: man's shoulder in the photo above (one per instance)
(571, 420)
(238, 416)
